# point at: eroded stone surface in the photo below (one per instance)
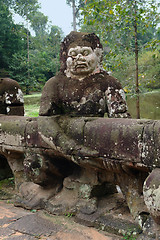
(62, 156)
(83, 88)
(11, 97)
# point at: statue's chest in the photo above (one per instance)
(83, 99)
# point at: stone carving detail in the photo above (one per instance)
(11, 97)
(83, 88)
(71, 157)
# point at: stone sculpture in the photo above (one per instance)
(11, 103)
(70, 156)
(83, 88)
(64, 165)
(11, 97)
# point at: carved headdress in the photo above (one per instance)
(77, 39)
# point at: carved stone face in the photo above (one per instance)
(82, 61)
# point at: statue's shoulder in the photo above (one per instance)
(50, 94)
(51, 82)
(8, 84)
(12, 90)
(11, 97)
(108, 80)
(55, 81)
(52, 86)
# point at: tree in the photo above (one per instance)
(39, 23)
(44, 60)
(45, 57)
(76, 6)
(122, 23)
(18, 69)
(25, 8)
(11, 36)
(31, 60)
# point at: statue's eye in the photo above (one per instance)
(85, 53)
(73, 54)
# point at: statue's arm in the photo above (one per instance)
(49, 99)
(116, 101)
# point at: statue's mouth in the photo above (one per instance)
(81, 65)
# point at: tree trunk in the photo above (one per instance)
(28, 76)
(74, 15)
(136, 64)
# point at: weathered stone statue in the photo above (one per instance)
(71, 156)
(11, 103)
(82, 88)
(11, 97)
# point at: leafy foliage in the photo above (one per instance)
(122, 67)
(24, 8)
(125, 27)
(11, 36)
(114, 22)
(44, 60)
(31, 60)
(39, 23)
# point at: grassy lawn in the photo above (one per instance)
(32, 110)
(31, 104)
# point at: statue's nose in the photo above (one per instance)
(80, 56)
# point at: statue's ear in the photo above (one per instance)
(99, 53)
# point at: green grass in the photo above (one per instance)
(32, 95)
(6, 183)
(32, 98)
(31, 110)
(32, 104)
(129, 237)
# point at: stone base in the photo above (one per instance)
(94, 205)
(105, 214)
(33, 196)
(110, 215)
(78, 195)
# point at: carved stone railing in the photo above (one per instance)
(83, 155)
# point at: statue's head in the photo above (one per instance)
(81, 54)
